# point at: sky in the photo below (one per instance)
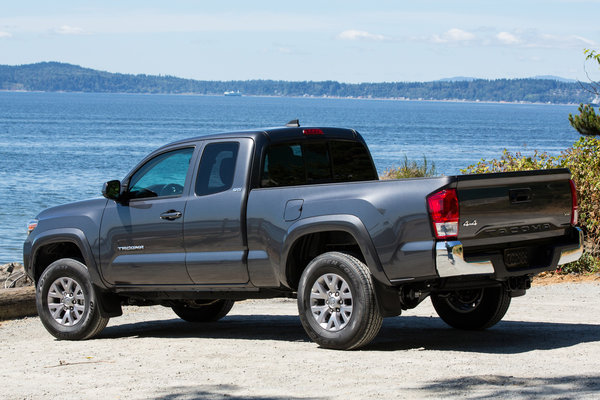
(346, 41)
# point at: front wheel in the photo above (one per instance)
(203, 310)
(337, 302)
(472, 309)
(66, 301)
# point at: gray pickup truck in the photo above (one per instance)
(298, 212)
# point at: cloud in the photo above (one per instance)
(584, 40)
(507, 38)
(360, 35)
(453, 35)
(550, 41)
(69, 30)
(516, 38)
(5, 35)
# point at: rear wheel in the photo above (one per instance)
(337, 302)
(203, 310)
(66, 301)
(472, 309)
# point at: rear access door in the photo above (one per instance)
(214, 226)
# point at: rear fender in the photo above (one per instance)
(339, 222)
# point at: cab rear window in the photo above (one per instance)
(313, 162)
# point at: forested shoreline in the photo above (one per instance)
(61, 77)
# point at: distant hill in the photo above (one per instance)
(457, 79)
(54, 76)
(554, 78)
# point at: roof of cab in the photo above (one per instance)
(276, 134)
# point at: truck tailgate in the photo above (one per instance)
(510, 207)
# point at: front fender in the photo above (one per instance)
(62, 235)
(337, 222)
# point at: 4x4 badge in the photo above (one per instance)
(467, 223)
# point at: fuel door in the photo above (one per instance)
(293, 209)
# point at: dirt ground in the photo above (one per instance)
(551, 278)
(548, 345)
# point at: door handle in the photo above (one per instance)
(520, 195)
(171, 215)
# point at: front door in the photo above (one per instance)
(143, 237)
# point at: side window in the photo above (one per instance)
(283, 166)
(164, 175)
(290, 164)
(351, 162)
(217, 168)
(318, 166)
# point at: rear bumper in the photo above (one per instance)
(572, 254)
(450, 260)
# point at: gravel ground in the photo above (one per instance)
(548, 345)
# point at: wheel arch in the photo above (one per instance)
(310, 237)
(53, 245)
(71, 243)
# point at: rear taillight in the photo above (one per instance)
(574, 206)
(443, 210)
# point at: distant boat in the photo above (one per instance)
(232, 93)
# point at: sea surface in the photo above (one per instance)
(57, 148)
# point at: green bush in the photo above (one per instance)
(587, 264)
(515, 162)
(583, 160)
(410, 169)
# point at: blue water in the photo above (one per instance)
(60, 147)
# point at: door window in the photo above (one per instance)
(217, 168)
(164, 175)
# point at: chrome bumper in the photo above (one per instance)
(567, 256)
(450, 261)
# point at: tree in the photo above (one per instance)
(593, 55)
(588, 122)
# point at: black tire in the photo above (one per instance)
(472, 309)
(203, 311)
(66, 301)
(338, 278)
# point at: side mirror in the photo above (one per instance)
(112, 190)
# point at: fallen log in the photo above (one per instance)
(17, 302)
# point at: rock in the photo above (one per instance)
(13, 275)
